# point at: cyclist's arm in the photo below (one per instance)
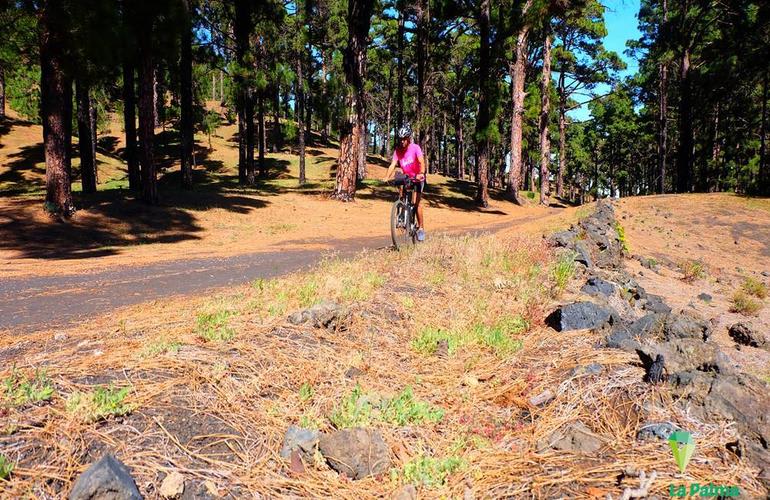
(423, 165)
(391, 168)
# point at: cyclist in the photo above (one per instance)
(409, 157)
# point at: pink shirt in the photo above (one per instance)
(407, 159)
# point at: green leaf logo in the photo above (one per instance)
(683, 446)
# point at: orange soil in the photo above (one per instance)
(730, 235)
(113, 231)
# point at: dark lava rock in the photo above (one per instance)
(682, 326)
(563, 238)
(628, 336)
(597, 286)
(305, 441)
(581, 315)
(655, 304)
(685, 355)
(743, 334)
(575, 438)
(655, 430)
(324, 315)
(650, 264)
(705, 297)
(656, 372)
(107, 479)
(356, 453)
(583, 255)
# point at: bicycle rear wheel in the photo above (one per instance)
(400, 219)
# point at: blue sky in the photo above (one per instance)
(620, 18)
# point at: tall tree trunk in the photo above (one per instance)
(388, 115)
(562, 148)
(684, 157)
(562, 135)
(401, 76)
(545, 143)
(156, 101)
(309, 87)
(2, 92)
(423, 42)
(147, 117)
(518, 72)
(242, 28)
(483, 122)
(663, 112)
(763, 166)
(260, 135)
(187, 138)
(353, 133)
(460, 145)
(129, 124)
(300, 125)
(55, 110)
(277, 135)
(85, 136)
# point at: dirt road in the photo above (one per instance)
(36, 302)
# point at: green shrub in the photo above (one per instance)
(755, 287)
(18, 389)
(6, 468)
(744, 304)
(427, 472)
(360, 410)
(622, 237)
(102, 403)
(692, 270)
(214, 326)
(562, 271)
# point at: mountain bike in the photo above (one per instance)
(403, 215)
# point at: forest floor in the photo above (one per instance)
(207, 384)
(217, 218)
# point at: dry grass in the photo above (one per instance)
(217, 410)
(745, 304)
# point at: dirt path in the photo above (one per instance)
(49, 301)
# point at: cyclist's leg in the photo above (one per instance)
(418, 205)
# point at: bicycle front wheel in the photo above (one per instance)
(399, 225)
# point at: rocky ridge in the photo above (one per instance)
(675, 348)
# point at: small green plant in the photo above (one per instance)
(310, 422)
(744, 304)
(361, 409)
(405, 409)
(755, 287)
(498, 336)
(279, 304)
(562, 272)
(359, 289)
(160, 346)
(305, 392)
(407, 302)
(426, 471)
(102, 403)
(307, 293)
(428, 338)
(692, 270)
(6, 468)
(622, 237)
(18, 389)
(354, 411)
(214, 326)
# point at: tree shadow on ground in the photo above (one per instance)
(112, 219)
(23, 171)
